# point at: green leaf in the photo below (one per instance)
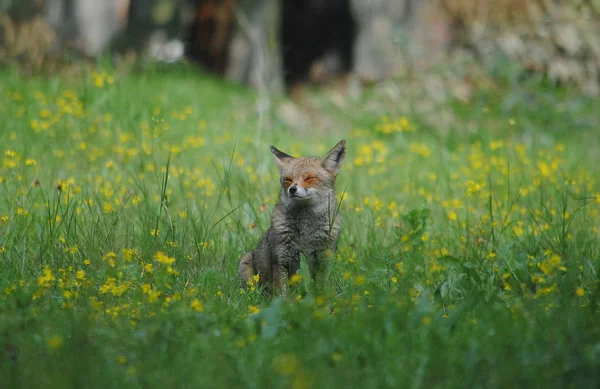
(449, 260)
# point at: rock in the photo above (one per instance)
(394, 33)
(567, 38)
(511, 44)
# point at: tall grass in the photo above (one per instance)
(465, 260)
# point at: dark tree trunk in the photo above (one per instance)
(317, 39)
(210, 33)
(139, 24)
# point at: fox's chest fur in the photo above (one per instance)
(309, 229)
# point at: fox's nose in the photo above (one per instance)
(293, 189)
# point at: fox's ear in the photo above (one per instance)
(282, 158)
(332, 161)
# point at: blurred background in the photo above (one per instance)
(279, 44)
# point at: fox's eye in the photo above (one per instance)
(287, 180)
(311, 179)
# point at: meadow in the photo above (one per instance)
(469, 253)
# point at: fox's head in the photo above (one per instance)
(310, 178)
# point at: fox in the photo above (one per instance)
(304, 221)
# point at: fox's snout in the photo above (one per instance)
(298, 192)
(293, 189)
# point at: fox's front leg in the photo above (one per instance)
(287, 259)
(280, 279)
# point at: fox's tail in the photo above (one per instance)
(246, 269)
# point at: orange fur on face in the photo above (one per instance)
(286, 182)
(310, 180)
(307, 180)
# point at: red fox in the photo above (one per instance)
(304, 221)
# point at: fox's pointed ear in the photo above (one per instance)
(282, 158)
(332, 161)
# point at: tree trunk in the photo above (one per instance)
(88, 25)
(254, 51)
(210, 32)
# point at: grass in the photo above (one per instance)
(469, 257)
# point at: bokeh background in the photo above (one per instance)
(277, 43)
